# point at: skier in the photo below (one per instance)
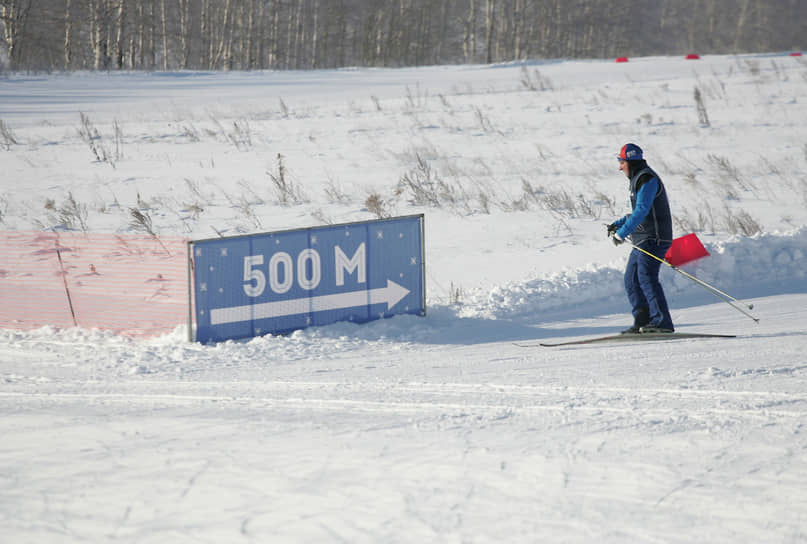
(649, 226)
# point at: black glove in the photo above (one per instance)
(616, 239)
(611, 229)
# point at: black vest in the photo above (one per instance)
(657, 225)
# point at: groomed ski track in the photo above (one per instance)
(369, 438)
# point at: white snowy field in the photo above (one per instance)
(442, 428)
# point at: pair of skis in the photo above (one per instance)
(628, 337)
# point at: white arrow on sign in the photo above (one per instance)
(391, 295)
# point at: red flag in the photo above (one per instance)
(685, 250)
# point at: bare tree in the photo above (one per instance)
(14, 16)
(120, 27)
(219, 34)
(274, 39)
(247, 55)
(490, 22)
(149, 49)
(518, 28)
(304, 34)
(469, 41)
(164, 21)
(298, 30)
(206, 41)
(97, 24)
(68, 31)
(315, 37)
(185, 35)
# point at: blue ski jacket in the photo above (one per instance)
(650, 218)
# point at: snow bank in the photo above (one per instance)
(763, 265)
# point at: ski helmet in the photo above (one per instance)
(630, 152)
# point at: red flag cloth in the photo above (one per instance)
(685, 250)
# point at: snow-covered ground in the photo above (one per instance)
(442, 428)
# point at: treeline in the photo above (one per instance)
(308, 34)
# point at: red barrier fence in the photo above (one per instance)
(135, 285)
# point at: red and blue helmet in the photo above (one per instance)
(630, 152)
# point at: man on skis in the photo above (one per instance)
(649, 226)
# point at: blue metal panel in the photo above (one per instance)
(283, 281)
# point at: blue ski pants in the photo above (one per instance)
(643, 286)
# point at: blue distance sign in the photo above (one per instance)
(278, 282)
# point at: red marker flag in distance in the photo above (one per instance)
(685, 249)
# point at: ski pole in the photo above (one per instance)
(714, 290)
